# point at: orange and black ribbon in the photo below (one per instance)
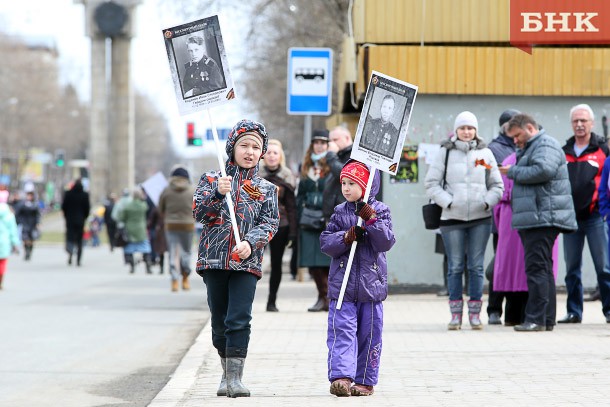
(483, 163)
(254, 192)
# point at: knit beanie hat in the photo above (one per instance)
(253, 136)
(357, 172)
(246, 126)
(507, 115)
(465, 119)
(180, 172)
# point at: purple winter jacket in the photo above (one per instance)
(368, 279)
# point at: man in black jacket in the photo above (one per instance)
(339, 152)
(542, 208)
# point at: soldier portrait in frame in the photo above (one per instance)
(198, 64)
(201, 73)
(382, 128)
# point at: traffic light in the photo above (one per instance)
(60, 159)
(192, 139)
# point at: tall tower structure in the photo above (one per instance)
(111, 26)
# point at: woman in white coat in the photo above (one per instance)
(472, 186)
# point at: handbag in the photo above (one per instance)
(431, 212)
(121, 238)
(311, 219)
(314, 199)
(432, 215)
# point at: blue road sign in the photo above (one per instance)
(309, 81)
(223, 134)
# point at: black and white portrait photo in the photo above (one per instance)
(198, 64)
(383, 123)
(380, 133)
(201, 73)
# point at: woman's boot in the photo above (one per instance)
(317, 307)
(79, 255)
(271, 307)
(474, 311)
(321, 279)
(222, 389)
(235, 371)
(148, 262)
(28, 250)
(161, 263)
(70, 251)
(456, 315)
(185, 281)
(324, 288)
(132, 264)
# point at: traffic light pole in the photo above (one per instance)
(60, 158)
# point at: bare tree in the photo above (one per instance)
(35, 111)
(152, 140)
(270, 28)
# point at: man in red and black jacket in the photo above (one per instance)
(585, 153)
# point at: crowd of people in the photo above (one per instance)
(523, 189)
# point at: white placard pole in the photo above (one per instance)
(355, 243)
(224, 174)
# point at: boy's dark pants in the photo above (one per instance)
(230, 297)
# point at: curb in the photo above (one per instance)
(185, 375)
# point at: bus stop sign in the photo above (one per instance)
(309, 81)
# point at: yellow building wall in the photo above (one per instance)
(465, 70)
(440, 21)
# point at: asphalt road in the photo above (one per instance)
(93, 335)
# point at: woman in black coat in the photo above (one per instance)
(275, 171)
(314, 174)
(75, 207)
(27, 214)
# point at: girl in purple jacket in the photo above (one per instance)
(354, 331)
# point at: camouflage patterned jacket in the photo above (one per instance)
(256, 210)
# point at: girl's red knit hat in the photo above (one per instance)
(357, 172)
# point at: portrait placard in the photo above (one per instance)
(384, 121)
(198, 65)
(154, 186)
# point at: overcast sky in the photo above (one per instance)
(63, 20)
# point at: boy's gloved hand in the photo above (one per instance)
(365, 211)
(355, 233)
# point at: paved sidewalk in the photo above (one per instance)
(422, 363)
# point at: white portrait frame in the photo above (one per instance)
(368, 151)
(175, 39)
